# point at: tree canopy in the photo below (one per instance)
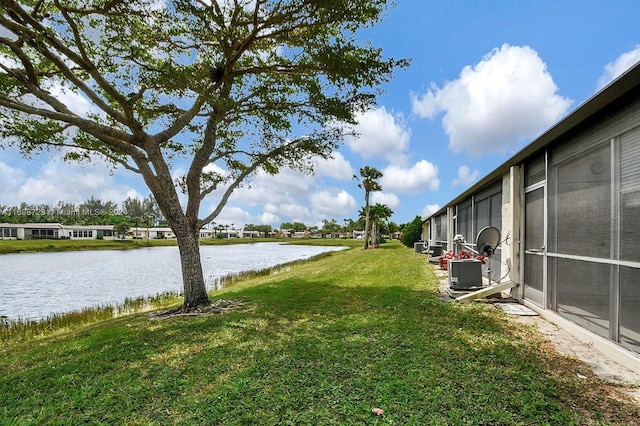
(195, 96)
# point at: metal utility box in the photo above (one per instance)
(418, 247)
(465, 274)
(435, 251)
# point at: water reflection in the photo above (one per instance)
(33, 286)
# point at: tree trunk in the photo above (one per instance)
(195, 290)
(374, 235)
(186, 231)
(366, 220)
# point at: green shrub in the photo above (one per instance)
(412, 232)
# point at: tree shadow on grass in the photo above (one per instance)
(306, 352)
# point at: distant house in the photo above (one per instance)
(568, 208)
(91, 232)
(154, 232)
(357, 235)
(250, 234)
(338, 235)
(31, 231)
(207, 233)
(55, 231)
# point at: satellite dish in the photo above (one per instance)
(486, 243)
(487, 240)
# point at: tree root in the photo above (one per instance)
(219, 306)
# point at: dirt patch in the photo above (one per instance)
(220, 306)
(605, 368)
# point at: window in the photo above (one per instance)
(593, 211)
(488, 207)
(8, 233)
(535, 171)
(630, 195)
(580, 216)
(464, 221)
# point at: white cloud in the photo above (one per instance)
(336, 167)
(267, 218)
(60, 181)
(429, 209)
(76, 102)
(381, 135)
(11, 178)
(505, 99)
(422, 175)
(235, 216)
(622, 63)
(333, 204)
(297, 212)
(388, 198)
(42, 191)
(465, 176)
(264, 188)
(117, 195)
(214, 168)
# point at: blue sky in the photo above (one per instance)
(486, 78)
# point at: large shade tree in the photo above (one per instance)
(220, 89)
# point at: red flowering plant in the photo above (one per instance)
(462, 254)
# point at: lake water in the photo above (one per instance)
(35, 285)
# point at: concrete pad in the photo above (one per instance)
(516, 309)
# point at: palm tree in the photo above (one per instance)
(378, 213)
(369, 183)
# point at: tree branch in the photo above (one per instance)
(261, 159)
(97, 150)
(63, 115)
(24, 59)
(36, 40)
(200, 160)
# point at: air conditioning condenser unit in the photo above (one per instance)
(465, 274)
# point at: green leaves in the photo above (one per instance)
(161, 86)
(284, 66)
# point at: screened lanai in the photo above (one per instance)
(568, 206)
(582, 229)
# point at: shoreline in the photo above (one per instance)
(51, 246)
(214, 283)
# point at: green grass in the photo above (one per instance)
(19, 330)
(319, 343)
(32, 246)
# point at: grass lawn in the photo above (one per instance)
(320, 343)
(32, 246)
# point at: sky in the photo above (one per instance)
(486, 78)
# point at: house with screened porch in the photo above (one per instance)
(568, 209)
